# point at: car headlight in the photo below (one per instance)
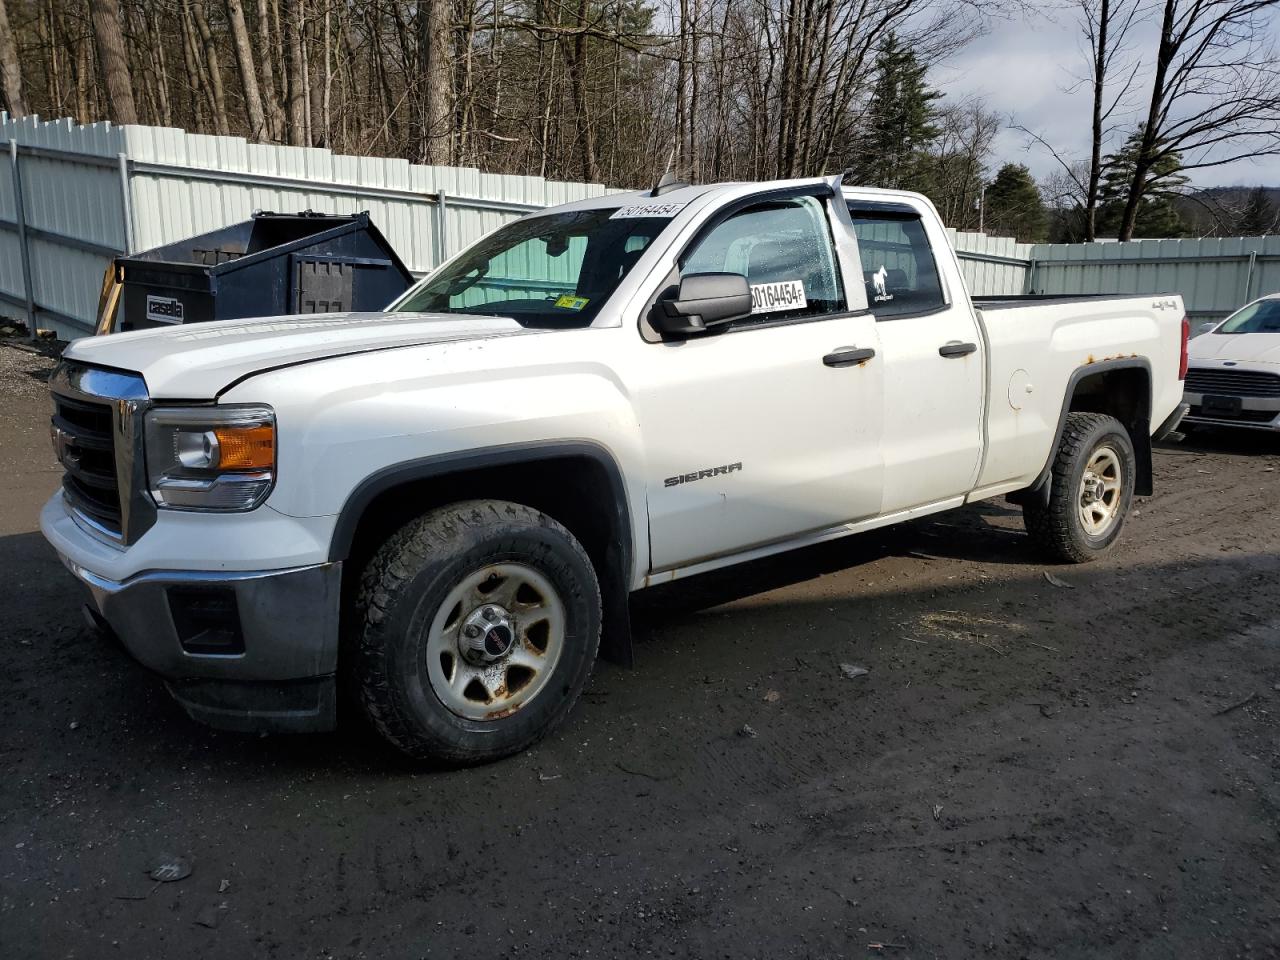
(211, 458)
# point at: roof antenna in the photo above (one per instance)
(668, 181)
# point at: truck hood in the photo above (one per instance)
(199, 361)
(1243, 347)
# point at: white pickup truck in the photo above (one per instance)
(447, 505)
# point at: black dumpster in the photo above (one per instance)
(276, 263)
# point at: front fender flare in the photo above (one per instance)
(615, 643)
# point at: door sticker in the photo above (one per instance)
(772, 297)
(878, 279)
(163, 309)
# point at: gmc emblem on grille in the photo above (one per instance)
(62, 448)
(164, 309)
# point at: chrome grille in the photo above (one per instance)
(1233, 383)
(84, 439)
(97, 435)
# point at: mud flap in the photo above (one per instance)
(615, 632)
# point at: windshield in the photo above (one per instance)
(551, 271)
(1260, 317)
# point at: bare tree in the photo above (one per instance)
(248, 70)
(578, 67)
(1215, 94)
(958, 162)
(10, 67)
(297, 96)
(272, 109)
(114, 60)
(569, 89)
(1106, 25)
(436, 106)
(213, 67)
(1110, 78)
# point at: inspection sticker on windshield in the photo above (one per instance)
(636, 210)
(772, 297)
(569, 302)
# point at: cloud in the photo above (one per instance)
(1025, 69)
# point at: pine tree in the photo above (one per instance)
(1014, 206)
(1157, 215)
(900, 121)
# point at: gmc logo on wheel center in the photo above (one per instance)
(702, 474)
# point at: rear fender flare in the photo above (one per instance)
(1139, 431)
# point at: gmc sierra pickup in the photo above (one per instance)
(447, 505)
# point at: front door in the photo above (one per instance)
(770, 429)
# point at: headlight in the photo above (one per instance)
(211, 458)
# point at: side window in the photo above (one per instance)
(897, 263)
(783, 248)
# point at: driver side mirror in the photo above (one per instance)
(705, 301)
(1205, 328)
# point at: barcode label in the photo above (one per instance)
(772, 297)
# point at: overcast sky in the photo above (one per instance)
(1022, 68)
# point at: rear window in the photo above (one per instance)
(897, 263)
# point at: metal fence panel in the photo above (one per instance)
(82, 203)
(1214, 275)
(992, 266)
(91, 192)
(185, 184)
(70, 211)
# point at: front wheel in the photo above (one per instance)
(1091, 490)
(479, 625)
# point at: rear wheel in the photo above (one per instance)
(479, 628)
(1091, 490)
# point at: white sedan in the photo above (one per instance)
(1233, 378)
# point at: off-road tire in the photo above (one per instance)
(1056, 527)
(403, 586)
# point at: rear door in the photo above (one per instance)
(934, 376)
(770, 429)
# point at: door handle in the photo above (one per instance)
(848, 356)
(957, 349)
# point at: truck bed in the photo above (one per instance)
(1038, 344)
(1031, 299)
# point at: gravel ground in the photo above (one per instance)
(24, 368)
(1027, 770)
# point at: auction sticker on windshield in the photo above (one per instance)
(771, 297)
(635, 210)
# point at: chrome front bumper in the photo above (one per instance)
(273, 666)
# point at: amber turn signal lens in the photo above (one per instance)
(246, 448)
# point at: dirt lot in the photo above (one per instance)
(1028, 770)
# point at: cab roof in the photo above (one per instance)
(682, 195)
